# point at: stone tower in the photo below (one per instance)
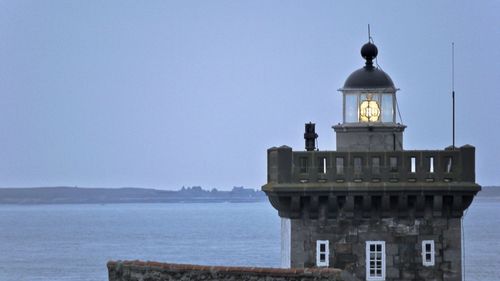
(372, 208)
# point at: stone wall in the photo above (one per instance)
(374, 138)
(403, 239)
(153, 271)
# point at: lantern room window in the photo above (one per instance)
(351, 108)
(387, 104)
(369, 107)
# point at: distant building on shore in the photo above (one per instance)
(371, 207)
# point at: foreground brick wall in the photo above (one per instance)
(154, 271)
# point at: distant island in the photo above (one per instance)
(82, 195)
(195, 194)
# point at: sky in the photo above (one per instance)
(165, 94)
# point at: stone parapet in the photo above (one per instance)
(332, 184)
(425, 167)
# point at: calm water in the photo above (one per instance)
(74, 242)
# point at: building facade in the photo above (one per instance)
(371, 207)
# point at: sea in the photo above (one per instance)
(74, 242)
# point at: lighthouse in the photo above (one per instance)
(370, 207)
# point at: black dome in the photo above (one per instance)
(369, 76)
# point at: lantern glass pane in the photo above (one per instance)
(351, 108)
(387, 108)
(369, 107)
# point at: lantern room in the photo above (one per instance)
(369, 109)
(369, 95)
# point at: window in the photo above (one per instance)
(428, 252)
(448, 163)
(358, 165)
(369, 107)
(393, 164)
(322, 165)
(375, 260)
(351, 108)
(375, 165)
(339, 161)
(303, 165)
(322, 253)
(431, 164)
(413, 164)
(387, 108)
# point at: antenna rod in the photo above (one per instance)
(453, 86)
(369, 34)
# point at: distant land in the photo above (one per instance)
(490, 192)
(82, 195)
(195, 194)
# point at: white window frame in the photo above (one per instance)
(370, 277)
(413, 164)
(319, 261)
(431, 164)
(432, 252)
(322, 163)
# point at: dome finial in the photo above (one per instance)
(369, 51)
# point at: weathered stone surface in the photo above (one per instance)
(401, 206)
(408, 275)
(153, 271)
(403, 242)
(427, 273)
(392, 273)
(342, 247)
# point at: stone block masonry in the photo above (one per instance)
(374, 217)
(154, 271)
(403, 245)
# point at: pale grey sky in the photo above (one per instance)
(170, 93)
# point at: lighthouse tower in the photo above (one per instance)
(372, 208)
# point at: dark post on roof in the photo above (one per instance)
(310, 136)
